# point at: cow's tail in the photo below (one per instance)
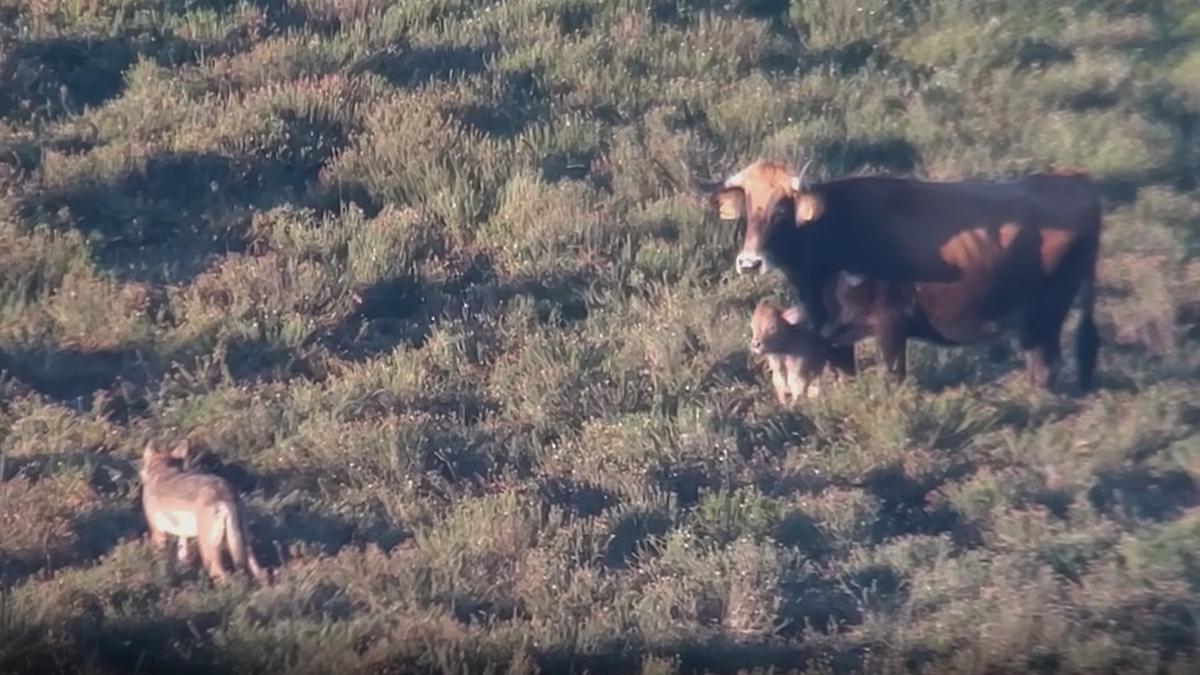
(1087, 338)
(239, 545)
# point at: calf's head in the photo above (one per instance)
(770, 328)
(770, 197)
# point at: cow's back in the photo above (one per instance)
(973, 252)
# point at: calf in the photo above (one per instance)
(796, 356)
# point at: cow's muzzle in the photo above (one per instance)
(750, 262)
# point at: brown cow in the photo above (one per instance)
(955, 262)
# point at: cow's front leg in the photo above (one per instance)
(808, 289)
(841, 360)
(891, 342)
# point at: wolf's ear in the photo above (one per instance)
(182, 450)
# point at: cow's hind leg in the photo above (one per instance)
(1041, 336)
(1042, 362)
(891, 341)
(1087, 339)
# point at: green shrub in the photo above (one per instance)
(829, 24)
(410, 153)
(268, 299)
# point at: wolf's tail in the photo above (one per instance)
(239, 547)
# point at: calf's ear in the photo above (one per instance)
(181, 450)
(793, 315)
(730, 203)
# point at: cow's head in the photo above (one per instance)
(769, 196)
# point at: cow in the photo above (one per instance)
(953, 262)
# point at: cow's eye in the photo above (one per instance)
(783, 210)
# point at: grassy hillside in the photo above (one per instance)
(491, 410)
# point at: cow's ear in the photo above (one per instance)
(809, 207)
(181, 450)
(730, 203)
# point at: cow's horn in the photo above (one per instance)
(708, 185)
(798, 181)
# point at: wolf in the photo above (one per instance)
(191, 505)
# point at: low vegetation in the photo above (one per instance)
(426, 282)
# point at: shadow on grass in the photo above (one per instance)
(1142, 493)
(711, 657)
(735, 367)
(879, 586)
(94, 534)
(851, 155)
(686, 481)
(54, 77)
(303, 525)
(101, 530)
(260, 361)
(579, 498)
(940, 367)
(726, 656)
(153, 645)
(520, 102)
(73, 375)
(562, 294)
(163, 221)
(630, 532)
(109, 476)
(904, 507)
(800, 531)
(845, 58)
(408, 66)
(401, 311)
(389, 314)
(774, 433)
